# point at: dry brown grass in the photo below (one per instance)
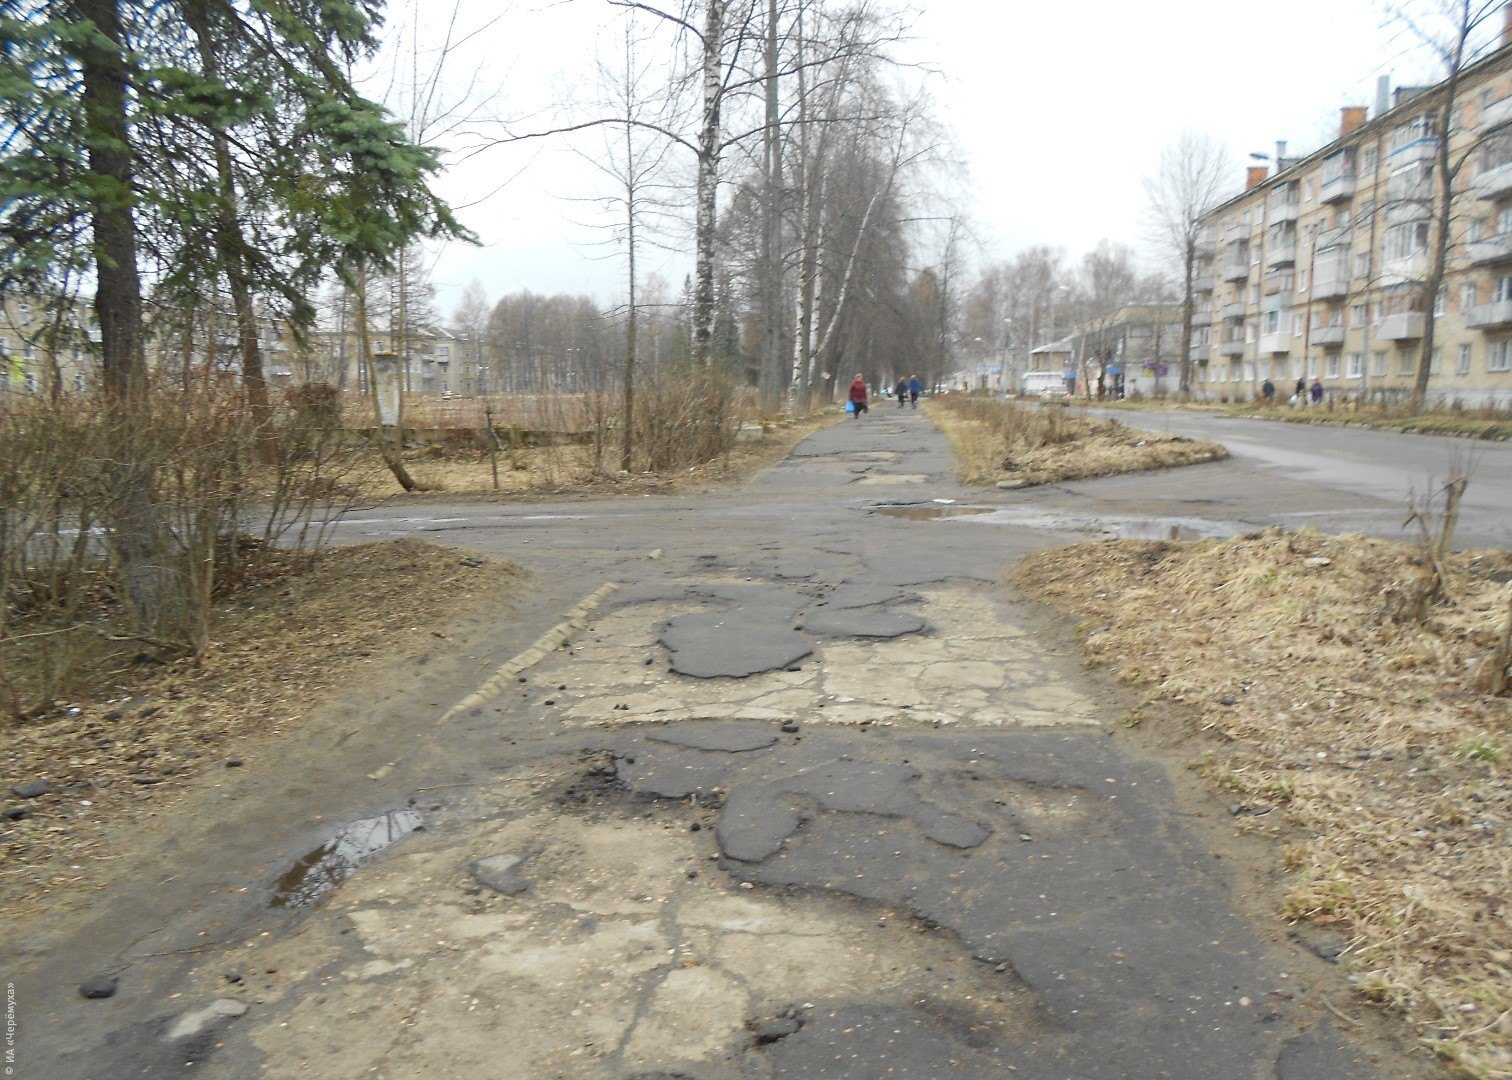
(125, 745)
(575, 469)
(1357, 729)
(1000, 442)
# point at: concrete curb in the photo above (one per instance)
(575, 620)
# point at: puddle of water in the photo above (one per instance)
(1154, 530)
(930, 512)
(317, 873)
(1128, 528)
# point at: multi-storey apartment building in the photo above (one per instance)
(1318, 271)
(45, 348)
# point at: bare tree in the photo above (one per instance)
(1108, 284)
(1187, 182)
(469, 322)
(1453, 30)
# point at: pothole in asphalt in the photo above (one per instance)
(320, 871)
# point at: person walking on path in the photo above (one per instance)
(1317, 392)
(858, 396)
(1299, 397)
(1268, 391)
(901, 390)
(915, 388)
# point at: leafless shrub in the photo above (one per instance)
(214, 513)
(684, 417)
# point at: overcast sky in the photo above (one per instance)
(1057, 110)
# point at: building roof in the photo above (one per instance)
(1407, 105)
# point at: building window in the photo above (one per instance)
(1462, 359)
(1352, 370)
(1301, 280)
(1436, 360)
(1298, 322)
(1467, 296)
(1503, 289)
(1331, 366)
(1362, 264)
(1378, 363)
(1357, 315)
(1499, 356)
(1438, 303)
(1368, 161)
(1406, 361)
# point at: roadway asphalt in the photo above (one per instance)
(805, 794)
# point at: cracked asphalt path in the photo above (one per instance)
(807, 797)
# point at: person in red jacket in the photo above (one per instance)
(858, 395)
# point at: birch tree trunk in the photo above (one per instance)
(708, 181)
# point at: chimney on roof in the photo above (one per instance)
(1254, 176)
(1351, 119)
(1383, 95)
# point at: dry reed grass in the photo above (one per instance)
(1358, 729)
(1000, 442)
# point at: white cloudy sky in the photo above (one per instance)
(1057, 108)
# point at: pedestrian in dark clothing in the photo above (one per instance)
(1317, 391)
(915, 388)
(901, 390)
(858, 396)
(1299, 396)
(1268, 391)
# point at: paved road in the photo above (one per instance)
(804, 795)
(1356, 463)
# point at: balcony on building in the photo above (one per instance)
(1330, 283)
(1405, 270)
(1403, 326)
(1281, 253)
(1494, 184)
(1202, 316)
(1496, 116)
(1236, 269)
(1203, 286)
(1285, 211)
(1234, 309)
(1338, 236)
(1491, 316)
(1337, 188)
(1328, 336)
(1491, 251)
(1198, 353)
(1421, 149)
(1232, 347)
(1273, 344)
(1203, 245)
